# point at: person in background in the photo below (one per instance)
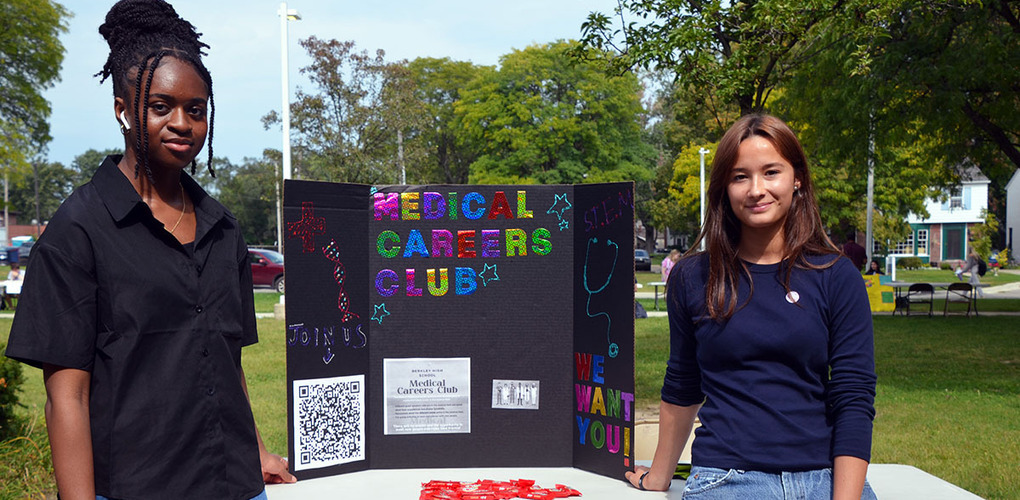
(971, 266)
(993, 262)
(668, 262)
(874, 268)
(15, 273)
(771, 340)
(856, 253)
(140, 297)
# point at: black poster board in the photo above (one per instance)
(459, 326)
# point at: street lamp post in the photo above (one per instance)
(285, 15)
(702, 152)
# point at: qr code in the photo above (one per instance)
(329, 421)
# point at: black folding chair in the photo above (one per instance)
(921, 293)
(960, 292)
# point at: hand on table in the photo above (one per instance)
(274, 470)
(650, 483)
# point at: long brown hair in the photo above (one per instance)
(803, 233)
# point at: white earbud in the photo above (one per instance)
(124, 121)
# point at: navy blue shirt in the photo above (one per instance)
(788, 382)
(160, 328)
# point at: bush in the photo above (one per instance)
(910, 263)
(946, 266)
(10, 383)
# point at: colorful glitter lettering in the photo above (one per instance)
(380, 244)
(465, 206)
(442, 243)
(380, 282)
(386, 204)
(500, 205)
(412, 291)
(444, 282)
(465, 244)
(540, 243)
(467, 281)
(522, 206)
(415, 245)
(516, 242)
(452, 206)
(409, 206)
(490, 244)
(433, 206)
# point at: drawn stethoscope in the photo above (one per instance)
(613, 348)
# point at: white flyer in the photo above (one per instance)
(427, 395)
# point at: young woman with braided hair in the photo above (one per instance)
(140, 296)
(770, 339)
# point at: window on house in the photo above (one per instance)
(922, 242)
(905, 246)
(956, 198)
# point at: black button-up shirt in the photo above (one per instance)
(160, 326)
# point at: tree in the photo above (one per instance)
(30, 58)
(680, 209)
(722, 52)
(438, 88)
(86, 164)
(981, 235)
(346, 128)
(543, 117)
(930, 84)
(51, 181)
(248, 190)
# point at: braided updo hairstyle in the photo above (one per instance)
(140, 34)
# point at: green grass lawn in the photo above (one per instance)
(265, 300)
(948, 399)
(646, 277)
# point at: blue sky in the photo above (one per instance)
(244, 57)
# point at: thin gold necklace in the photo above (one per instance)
(184, 207)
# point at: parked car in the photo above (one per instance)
(642, 261)
(24, 251)
(266, 268)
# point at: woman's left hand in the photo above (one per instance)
(274, 470)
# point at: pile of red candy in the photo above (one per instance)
(486, 489)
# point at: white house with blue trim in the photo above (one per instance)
(1013, 211)
(943, 235)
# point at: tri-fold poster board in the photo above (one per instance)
(459, 326)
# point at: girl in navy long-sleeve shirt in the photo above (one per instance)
(770, 338)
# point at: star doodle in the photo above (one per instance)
(380, 313)
(560, 204)
(485, 274)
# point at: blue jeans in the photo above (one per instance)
(707, 483)
(260, 496)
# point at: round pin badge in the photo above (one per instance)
(792, 297)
